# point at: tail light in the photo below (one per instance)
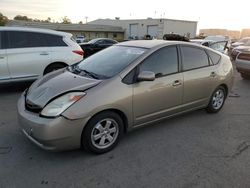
(79, 52)
(244, 56)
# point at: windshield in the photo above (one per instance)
(109, 62)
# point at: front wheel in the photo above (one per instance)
(217, 100)
(102, 132)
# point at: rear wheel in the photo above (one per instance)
(217, 100)
(54, 67)
(103, 132)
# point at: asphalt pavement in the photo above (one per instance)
(193, 150)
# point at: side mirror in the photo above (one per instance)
(146, 76)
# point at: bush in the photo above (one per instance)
(175, 37)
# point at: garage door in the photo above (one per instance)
(133, 30)
(152, 30)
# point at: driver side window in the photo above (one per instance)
(162, 62)
(100, 42)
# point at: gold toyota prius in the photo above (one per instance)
(93, 103)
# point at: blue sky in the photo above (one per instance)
(210, 14)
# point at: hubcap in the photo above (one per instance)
(104, 133)
(218, 99)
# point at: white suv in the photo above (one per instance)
(27, 53)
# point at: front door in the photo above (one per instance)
(156, 99)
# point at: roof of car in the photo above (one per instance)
(29, 29)
(149, 43)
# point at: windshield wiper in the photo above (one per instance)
(93, 75)
(75, 69)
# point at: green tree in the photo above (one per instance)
(48, 20)
(22, 18)
(3, 19)
(66, 20)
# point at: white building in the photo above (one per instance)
(154, 27)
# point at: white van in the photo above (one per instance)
(27, 53)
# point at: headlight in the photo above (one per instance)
(60, 104)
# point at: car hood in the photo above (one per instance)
(237, 44)
(242, 48)
(55, 84)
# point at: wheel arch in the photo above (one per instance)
(54, 63)
(119, 112)
(225, 87)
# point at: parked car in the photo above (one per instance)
(26, 53)
(242, 42)
(242, 64)
(220, 46)
(218, 38)
(80, 39)
(96, 45)
(202, 42)
(128, 85)
(238, 50)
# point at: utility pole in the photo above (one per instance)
(86, 19)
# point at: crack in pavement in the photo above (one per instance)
(241, 147)
(5, 150)
(239, 150)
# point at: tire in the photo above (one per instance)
(217, 100)
(108, 129)
(245, 76)
(54, 67)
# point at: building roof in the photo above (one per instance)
(66, 27)
(127, 20)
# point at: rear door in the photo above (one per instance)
(200, 77)
(28, 54)
(162, 97)
(4, 71)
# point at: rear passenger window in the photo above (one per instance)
(214, 57)
(54, 40)
(162, 62)
(193, 58)
(20, 39)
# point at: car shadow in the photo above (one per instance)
(14, 87)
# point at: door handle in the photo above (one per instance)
(213, 74)
(176, 83)
(44, 53)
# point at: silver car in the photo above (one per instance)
(242, 64)
(131, 84)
